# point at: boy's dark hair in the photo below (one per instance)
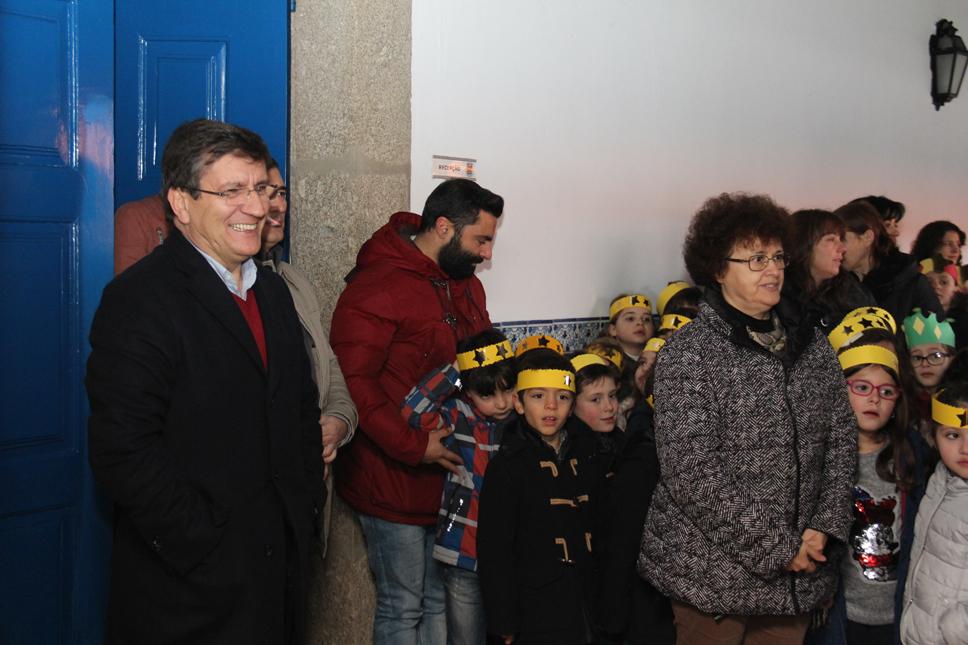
(594, 373)
(727, 220)
(955, 393)
(461, 201)
(200, 143)
(543, 359)
(886, 207)
(685, 303)
(929, 238)
(486, 380)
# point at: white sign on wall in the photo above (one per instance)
(453, 167)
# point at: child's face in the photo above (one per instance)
(632, 327)
(494, 406)
(866, 390)
(923, 356)
(597, 404)
(545, 409)
(953, 446)
(944, 286)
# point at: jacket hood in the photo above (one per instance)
(391, 245)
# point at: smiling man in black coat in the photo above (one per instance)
(204, 425)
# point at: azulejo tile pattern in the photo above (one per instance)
(574, 333)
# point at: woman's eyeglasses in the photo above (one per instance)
(861, 387)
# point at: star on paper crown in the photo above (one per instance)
(539, 341)
(926, 330)
(868, 355)
(853, 325)
(608, 353)
(668, 292)
(878, 312)
(582, 361)
(673, 322)
(948, 415)
(624, 302)
(484, 356)
(556, 379)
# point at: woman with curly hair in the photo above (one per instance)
(892, 277)
(817, 283)
(941, 238)
(756, 444)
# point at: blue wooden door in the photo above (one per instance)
(183, 59)
(56, 173)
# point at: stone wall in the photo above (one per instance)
(349, 170)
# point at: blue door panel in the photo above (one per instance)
(39, 81)
(56, 172)
(38, 379)
(32, 550)
(183, 59)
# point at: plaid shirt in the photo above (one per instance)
(431, 405)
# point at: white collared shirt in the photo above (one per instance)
(249, 273)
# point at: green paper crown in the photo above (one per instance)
(926, 330)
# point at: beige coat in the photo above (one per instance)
(334, 397)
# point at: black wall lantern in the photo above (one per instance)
(948, 59)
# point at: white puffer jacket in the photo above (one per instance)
(936, 597)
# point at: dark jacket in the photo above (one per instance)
(826, 308)
(898, 285)
(399, 317)
(753, 450)
(535, 537)
(212, 460)
(627, 607)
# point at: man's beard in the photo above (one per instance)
(455, 261)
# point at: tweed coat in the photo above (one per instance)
(752, 452)
(212, 459)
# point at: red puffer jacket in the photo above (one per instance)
(399, 316)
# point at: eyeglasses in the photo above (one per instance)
(278, 191)
(864, 388)
(237, 196)
(934, 358)
(759, 262)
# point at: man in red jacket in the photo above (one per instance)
(412, 296)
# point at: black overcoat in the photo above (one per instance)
(212, 460)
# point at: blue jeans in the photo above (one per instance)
(465, 608)
(409, 585)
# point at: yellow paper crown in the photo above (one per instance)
(487, 355)
(655, 344)
(868, 355)
(582, 361)
(624, 302)
(948, 415)
(557, 379)
(668, 292)
(853, 326)
(539, 341)
(608, 353)
(927, 265)
(673, 322)
(878, 312)
(651, 401)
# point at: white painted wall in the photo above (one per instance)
(606, 124)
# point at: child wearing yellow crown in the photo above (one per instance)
(630, 322)
(936, 596)
(931, 346)
(888, 484)
(534, 536)
(473, 400)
